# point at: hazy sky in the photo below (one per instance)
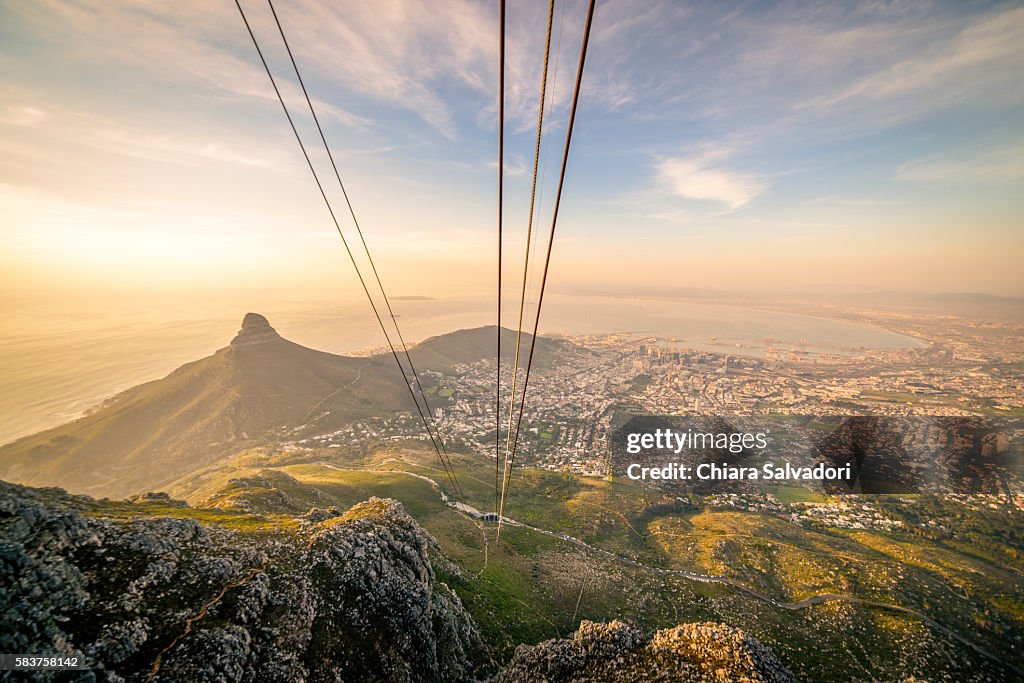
(785, 145)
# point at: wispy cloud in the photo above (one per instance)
(409, 55)
(188, 43)
(778, 68)
(870, 65)
(68, 128)
(1000, 165)
(22, 115)
(699, 178)
(832, 200)
(167, 102)
(941, 63)
(514, 165)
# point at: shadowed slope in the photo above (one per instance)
(446, 351)
(202, 411)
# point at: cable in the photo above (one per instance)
(501, 190)
(551, 239)
(541, 184)
(348, 250)
(547, 151)
(359, 230)
(529, 234)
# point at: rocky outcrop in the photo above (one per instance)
(702, 652)
(268, 491)
(159, 498)
(255, 330)
(348, 596)
(332, 595)
(370, 562)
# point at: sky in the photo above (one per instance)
(744, 145)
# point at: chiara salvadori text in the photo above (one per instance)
(725, 471)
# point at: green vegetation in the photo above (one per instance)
(797, 494)
(528, 587)
(229, 519)
(640, 383)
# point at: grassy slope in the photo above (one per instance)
(529, 587)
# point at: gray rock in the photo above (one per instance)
(691, 653)
(351, 596)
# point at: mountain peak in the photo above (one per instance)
(255, 330)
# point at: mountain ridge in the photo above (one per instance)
(239, 397)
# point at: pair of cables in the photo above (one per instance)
(411, 376)
(503, 474)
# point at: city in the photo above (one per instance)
(578, 393)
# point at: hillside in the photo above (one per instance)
(442, 353)
(204, 410)
(247, 394)
(920, 601)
